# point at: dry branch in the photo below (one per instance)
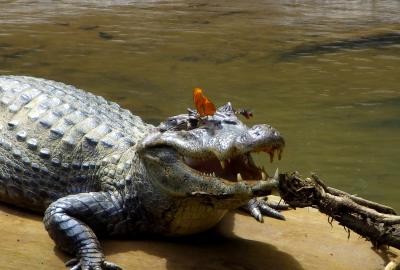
(378, 223)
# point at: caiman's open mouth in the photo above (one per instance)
(238, 168)
(215, 153)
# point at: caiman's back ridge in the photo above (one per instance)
(94, 168)
(54, 137)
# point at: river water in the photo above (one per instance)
(324, 73)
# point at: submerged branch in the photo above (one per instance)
(378, 223)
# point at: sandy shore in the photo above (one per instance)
(304, 241)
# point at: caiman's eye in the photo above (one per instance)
(230, 122)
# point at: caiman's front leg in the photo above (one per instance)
(72, 220)
(259, 207)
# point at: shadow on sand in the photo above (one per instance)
(216, 249)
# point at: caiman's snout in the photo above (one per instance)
(261, 138)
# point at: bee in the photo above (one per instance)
(245, 112)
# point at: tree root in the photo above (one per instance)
(377, 223)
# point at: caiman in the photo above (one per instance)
(93, 168)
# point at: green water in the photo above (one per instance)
(325, 74)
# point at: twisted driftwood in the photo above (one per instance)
(378, 223)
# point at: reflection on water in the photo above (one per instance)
(326, 74)
(367, 42)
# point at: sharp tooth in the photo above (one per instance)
(271, 156)
(213, 174)
(263, 176)
(222, 162)
(276, 175)
(239, 177)
(280, 154)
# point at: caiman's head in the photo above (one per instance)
(210, 157)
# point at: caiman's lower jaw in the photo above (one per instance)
(236, 169)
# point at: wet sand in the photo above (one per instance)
(304, 241)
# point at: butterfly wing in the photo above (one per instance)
(203, 105)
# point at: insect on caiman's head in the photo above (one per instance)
(210, 155)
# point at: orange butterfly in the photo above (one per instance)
(203, 105)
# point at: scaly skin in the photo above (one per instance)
(94, 168)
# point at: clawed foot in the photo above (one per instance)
(258, 208)
(76, 264)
